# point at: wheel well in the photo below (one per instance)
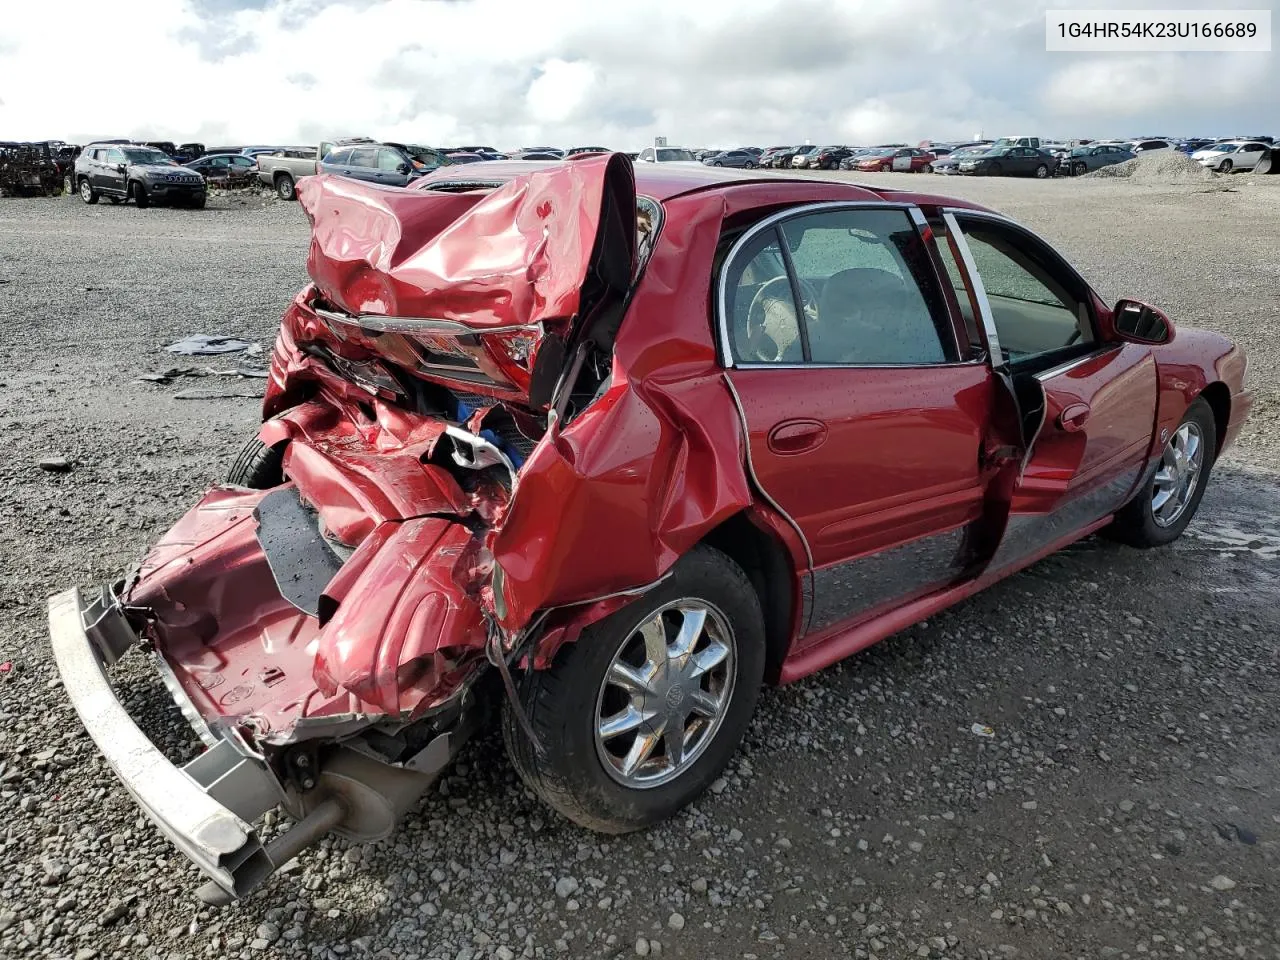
(767, 563)
(1219, 399)
(281, 174)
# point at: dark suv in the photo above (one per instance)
(123, 171)
(388, 164)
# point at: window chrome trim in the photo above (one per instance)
(722, 288)
(970, 269)
(1070, 365)
(945, 365)
(755, 478)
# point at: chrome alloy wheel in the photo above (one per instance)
(1175, 480)
(665, 694)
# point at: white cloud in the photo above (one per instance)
(512, 72)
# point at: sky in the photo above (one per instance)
(512, 73)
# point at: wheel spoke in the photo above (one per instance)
(690, 631)
(640, 751)
(704, 702)
(1160, 500)
(708, 658)
(673, 740)
(1165, 477)
(632, 679)
(622, 722)
(655, 641)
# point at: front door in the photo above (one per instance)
(1086, 407)
(864, 424)
(113, 179)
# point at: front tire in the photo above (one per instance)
(1161, 510)
(644, 710)
(87, 193)
(258, 466)
(140, 196)
(927, 168)
(1042, 171)
(1225, 166)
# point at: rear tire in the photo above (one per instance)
(1136, 523)
(566, 703)
(258, 466)
(285, 187)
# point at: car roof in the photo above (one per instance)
(665, 182)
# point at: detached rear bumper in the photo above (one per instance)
(205, 807)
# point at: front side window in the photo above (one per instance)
(115, 156)
(338, 158)
(1037, 307)
(851, 286)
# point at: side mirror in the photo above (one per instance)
(403, 168)
(1138, 322)
(121, 168)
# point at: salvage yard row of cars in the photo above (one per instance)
(123, 169)
(569, 448)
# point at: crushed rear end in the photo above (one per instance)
(329, 637)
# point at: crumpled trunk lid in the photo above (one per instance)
(481, 292)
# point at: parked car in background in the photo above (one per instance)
(282, 172)
(375, 162)
(667, 155)
(190, 151)
(897, 160)
(424, 159)
(732, 158)
(479, 151)
(1150, 146)
(576, 151)
(859, 153)
(411, 546)
(756, 151)
(1195, 143)
(828, 158)
(1016, 142)
(554, 151)
(225, 169)
(28, 170)
(537, 155)
(1232, 156)
(805, 156)
(1093, 157)
(1011, 161)
(142, 174)
(770, 157)
(950, 164)
(462, 156)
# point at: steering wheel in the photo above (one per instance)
(771, 307)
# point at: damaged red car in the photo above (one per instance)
(595, 451)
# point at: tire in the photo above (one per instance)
(562, 703)
(87, 193)
(285, 188)
(140, 196)
(1078, 168)
(68, 185)
(927, 168)
(1136, 524)
(1042, 171)
(197, 204)
(995, 170)
(716, 163)
(1225, 166)
(749, 165)
(258, 466)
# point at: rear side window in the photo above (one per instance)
(842, 286)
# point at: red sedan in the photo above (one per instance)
(607, 448)
(900, 160)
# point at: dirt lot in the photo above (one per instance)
(1127, 805)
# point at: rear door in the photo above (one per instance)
(1082, 435)
(865, 412)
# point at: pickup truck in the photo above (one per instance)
(282, 170)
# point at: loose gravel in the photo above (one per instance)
(1123, 803)
(1163, 167)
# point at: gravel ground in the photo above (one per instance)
(1126, 804)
